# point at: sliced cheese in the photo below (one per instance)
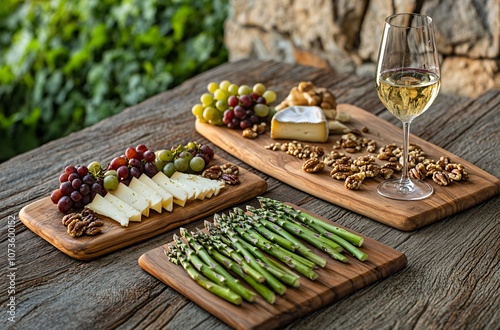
(103, 207)
(132, 213)
(154, 198)
(167, 197)
(186, 179)
(302, 123)
(179, 194)
(208, 187)
(132, 198)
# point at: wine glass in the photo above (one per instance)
(407, 81)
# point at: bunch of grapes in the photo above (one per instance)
(234, 106)
(77, 188)
(190, 158)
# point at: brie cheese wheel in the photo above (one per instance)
(302, 123)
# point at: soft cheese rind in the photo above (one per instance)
(302, 123)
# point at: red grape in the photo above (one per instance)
(135, 172)
(254, 96)
(150, 169)
(85, 189)
(254, 119)
(205, 149)
(88, 179)
(76, 183)
(65, 204)
(239, 112)
(139, 155)
(123, 172)
(261, 100)
(86, 199)
(63, 177)
(96, 188)
(117, 162)
(233, 101)
(235, 123)
(70, 169)
(76, 196)
(246, 123)
(56, 196)
(73, 176)
(130, 153)
(66, 188)
(142, 148)
(149, 156)
(82, 170)
(246, 101)
(228, 116)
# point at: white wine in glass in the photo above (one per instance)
(407, 81)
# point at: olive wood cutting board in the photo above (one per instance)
(335, 281)
(44, 219)
(403, 215)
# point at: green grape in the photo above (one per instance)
(216, 121)
(244, 90)
(210, 113)
(169, 169)
(261, 110)
(111, 172)
(224, 84)
(197, 164)
(207, 99)
(197, 110)
(221, 105)
(110, 182)
(94, 168)
(259, 88)
(191, 145)
(221, 94)
(186, 155)
(233, 89)
(181, 164)
(166, 155)
(270, 96)
(212, 87)
(272, 112)
(159, 164)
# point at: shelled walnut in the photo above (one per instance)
(297, 149)
(313, 165)
(85, 222)
(254, 131)
(229, 173)
(353, 182)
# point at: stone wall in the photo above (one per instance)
(345, 34)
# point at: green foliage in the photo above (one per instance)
(66, 64)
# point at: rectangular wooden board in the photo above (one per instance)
(335, 281)
(403, 215)
(44, 219)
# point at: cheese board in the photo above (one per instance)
(406, 216)
(336, 280)
(44, 219)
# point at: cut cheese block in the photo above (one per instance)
(129, 211)
(102, 206)
(132, 198)
(302, 123)
(167, 197)
(179, 194)
(154, 198)
(185, 179)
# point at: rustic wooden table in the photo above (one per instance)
(451, 280)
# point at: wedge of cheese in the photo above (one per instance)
(302, 123)
(132, 198)
(129, 211)
(186, 180)
(153, 197)
(167, 197)
(102, 206)
(207, 187)
(180, 195)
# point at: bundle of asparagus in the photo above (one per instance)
(263, 247)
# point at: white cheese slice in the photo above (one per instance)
(132, 198)
(103, 207)
(302, 123)
(187, 179)
(208, 186)
(154, 198)
(179, 194)
(167, 197)
(132, 213)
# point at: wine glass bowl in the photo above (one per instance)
(407, 82)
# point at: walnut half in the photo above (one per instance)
(313, 165)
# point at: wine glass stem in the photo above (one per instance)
(405, 178)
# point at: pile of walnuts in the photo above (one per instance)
(83, 223)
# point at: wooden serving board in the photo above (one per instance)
(44, 219)
(335, 281)
(403, 215)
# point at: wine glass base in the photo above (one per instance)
(405, 190)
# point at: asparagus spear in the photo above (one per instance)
(276, 285)
(176, 256)
(203, 238)
(268, 203)
(302, 249)
(230, 281)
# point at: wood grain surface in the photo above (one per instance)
(404, 215)
(335, 281)
(451, 280)
(44, 219)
